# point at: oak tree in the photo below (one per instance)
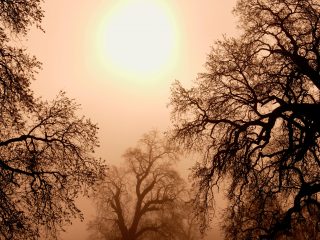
(143, 199)
(254, 116)
(46, 149)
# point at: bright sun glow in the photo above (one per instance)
(140, 37)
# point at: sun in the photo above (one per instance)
(139, 37)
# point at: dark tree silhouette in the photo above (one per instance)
(143, 199)
(46, 151)
(255, 117)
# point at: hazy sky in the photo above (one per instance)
(118, 58)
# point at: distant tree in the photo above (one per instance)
(46, 150)
(255, 117)
(143, 199)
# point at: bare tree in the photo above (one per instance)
(141, 199)
(255, 117)
(46, 158)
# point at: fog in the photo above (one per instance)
(125, 106)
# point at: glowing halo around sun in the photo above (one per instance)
(139, 37)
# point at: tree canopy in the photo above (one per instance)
(254, 114)
(144, 199)
(46, 150)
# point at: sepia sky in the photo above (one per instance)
(118, 58)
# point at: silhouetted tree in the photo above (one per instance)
(144, 198)
(45, 148)
(255, 117)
